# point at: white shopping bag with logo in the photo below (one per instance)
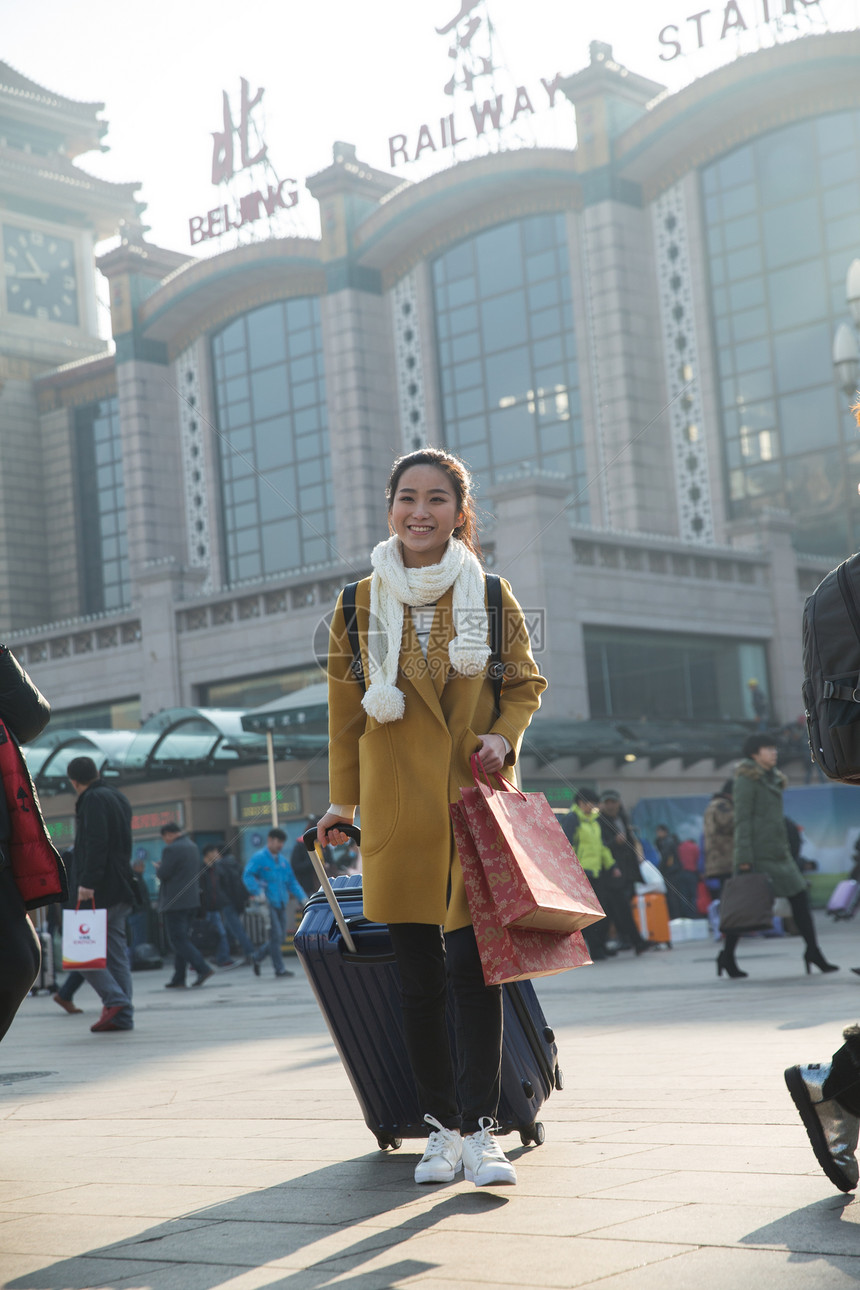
(84, 939)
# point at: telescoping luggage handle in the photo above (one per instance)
(316, 855)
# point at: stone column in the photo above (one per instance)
(533, 552)
(770, 531)
(364, 435)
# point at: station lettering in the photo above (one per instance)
(493, 114)
(711, 25)
(251, 207)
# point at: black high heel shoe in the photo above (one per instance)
(814, 958)
(727, 964)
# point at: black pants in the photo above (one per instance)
(20, 956)
(596, 933)
(802, 915)
(615, 898)
(428, 962)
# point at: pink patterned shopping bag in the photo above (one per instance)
(509, 953)
(534, 877)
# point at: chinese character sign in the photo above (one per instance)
(469, 62)
(223, 153)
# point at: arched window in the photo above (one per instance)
(273, 444)
(507, 352)
(103, 543)
(782, 220)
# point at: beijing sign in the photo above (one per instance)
(247, 208)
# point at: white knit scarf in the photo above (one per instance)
(392, 586)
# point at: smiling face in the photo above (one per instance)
(424, 513)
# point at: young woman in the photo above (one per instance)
(401, 750)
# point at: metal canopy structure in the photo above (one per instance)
(657, 741)
(303, 710)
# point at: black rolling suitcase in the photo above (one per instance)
(354, 977)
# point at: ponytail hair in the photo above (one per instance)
(461, 481)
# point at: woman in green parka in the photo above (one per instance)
(761, 846)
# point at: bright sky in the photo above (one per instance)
(341, 70)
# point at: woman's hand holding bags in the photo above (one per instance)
(527, 892)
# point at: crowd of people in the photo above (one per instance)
(199, 907)
(744, 830)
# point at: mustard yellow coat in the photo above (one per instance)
(404, 773)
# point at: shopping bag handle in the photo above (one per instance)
(479, 773)
(78, 905)
(315, 852)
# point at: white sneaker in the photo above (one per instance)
(483, 1159)
(443, 1157)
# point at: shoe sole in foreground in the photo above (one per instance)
(806, 1108)
(500, 1179)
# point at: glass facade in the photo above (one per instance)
(782, 217)
(273, 445)
(102, 538)
(112, 714)
(507, 353)
(671, 677)
(251, 691)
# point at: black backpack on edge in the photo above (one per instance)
(831, 672)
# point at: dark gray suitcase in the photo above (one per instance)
(358, 991)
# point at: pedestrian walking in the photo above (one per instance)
(236, 897)
(31, 871)
(269, 877)
(581, 827)
(719, 830)
(620, 882)
(213, 899)
(103, 872)
(178, 873)
(761, 846)
(402, 749)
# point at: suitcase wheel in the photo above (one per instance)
(558, 1078)
(385, 1142)
(533, 1133)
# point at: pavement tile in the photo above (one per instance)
(764, 1136)
(735, 1189)
(727, 1269)
(240, 1242)
(29, 1272)
(68, 1234)
(510, 1260)
(830, 1226)
(726, 1160)
(142, 1200)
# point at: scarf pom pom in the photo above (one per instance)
(467, 658)
(384, 702)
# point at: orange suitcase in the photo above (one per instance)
(651, 913)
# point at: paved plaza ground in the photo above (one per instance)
(219, 1145)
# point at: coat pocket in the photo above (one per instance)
(380, 789)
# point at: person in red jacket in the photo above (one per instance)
(31, 871)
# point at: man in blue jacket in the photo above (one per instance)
(269, 874)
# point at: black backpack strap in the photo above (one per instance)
(351, 623)
(494, 610)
